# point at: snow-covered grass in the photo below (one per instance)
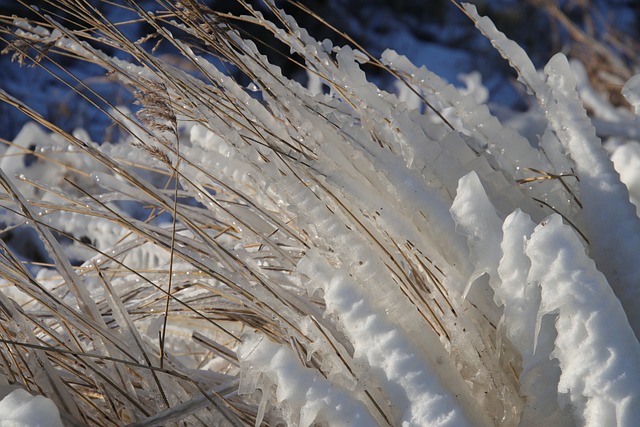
(330, 255)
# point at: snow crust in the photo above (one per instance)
(21, 409)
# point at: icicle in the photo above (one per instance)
(527, 328)
(476, 218)
(510, 50)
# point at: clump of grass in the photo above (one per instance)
(246, 244)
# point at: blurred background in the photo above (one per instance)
(603, 35)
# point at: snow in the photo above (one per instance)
(416, 393)
(631, 91)
(598, 353)
(300, 387)
(21, 409)
(626, 160)
(544, 271)
(520, 299)
(614, 233)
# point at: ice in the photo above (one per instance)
(474, 87)
(13, 160)
(631, 92)
(510, 50)
(532, 335)
(593, 100)
(476, 218)
(492, 146)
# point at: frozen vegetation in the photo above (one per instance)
(329, 254)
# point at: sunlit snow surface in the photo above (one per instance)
(18, 408)
(532, 301)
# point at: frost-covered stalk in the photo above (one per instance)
(329, 255)
(609, 219)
